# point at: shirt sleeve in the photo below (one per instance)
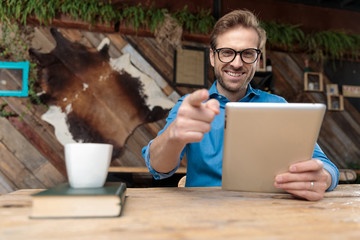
(146, 150)
(328, 166)
(154, 173)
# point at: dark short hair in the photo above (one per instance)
(237, 18)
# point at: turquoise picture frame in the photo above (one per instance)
(24, 66)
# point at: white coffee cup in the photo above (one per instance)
(87, 164)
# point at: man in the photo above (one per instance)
(195, 125)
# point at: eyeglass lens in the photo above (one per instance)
(227, 55)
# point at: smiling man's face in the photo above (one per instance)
(234, 77)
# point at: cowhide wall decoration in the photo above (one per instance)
(93, 98)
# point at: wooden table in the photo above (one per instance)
(196, 213)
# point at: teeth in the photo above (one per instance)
(234, 74)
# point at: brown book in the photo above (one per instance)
(62, 201)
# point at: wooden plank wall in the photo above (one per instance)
(340, 133)
(24, 143)
(31, 156)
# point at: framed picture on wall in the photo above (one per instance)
(351, 91)
(313, 81)
(335, 103)
(191, 67)
(332, 89)
(14, 79)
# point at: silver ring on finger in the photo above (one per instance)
(312, 185)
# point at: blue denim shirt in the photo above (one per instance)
(204, 158)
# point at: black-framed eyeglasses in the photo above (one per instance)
(249, 55)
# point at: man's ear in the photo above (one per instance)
(258, 60)
(212, 57)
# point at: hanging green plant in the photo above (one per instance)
(283, 35)
(94, 11)
(320, 45)
(134, 15)
(91, 11)
(155, 17)
(185, 19)
(204, 22)
(334, 44)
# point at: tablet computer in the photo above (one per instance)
(263, 139)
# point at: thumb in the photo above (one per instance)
(214, 105)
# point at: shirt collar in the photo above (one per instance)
(250, 92)
(213, 92)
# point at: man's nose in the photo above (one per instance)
(237, 62)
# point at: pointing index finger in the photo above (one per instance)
(196, 98)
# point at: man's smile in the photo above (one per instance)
(234, 74)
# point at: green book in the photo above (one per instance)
(62, 201)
